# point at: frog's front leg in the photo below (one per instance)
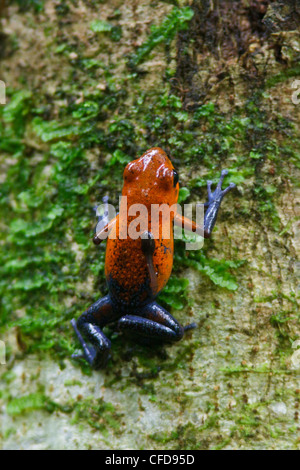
(154, 323)
(214, 202)
(96, 348)
(104, 225)
(213, 205)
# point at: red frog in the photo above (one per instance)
(137, 269)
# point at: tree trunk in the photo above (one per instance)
(91, 84)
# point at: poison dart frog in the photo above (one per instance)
(138, 269)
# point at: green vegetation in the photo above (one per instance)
(99, 415)
(177, 20)
(36, 5)
(52, 207)
(46, 202)
(61, 153)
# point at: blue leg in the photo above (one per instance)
(154, 323)
(214, 202)
(96, 347)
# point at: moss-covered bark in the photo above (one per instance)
(91, 85)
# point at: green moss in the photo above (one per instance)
(290, 72)
(175, 293)
(263, 369)
(62, 154)
(100, 26)
(100, 415)
(188, 436)
(164, 438)
(36, 5)
(54, 197)
(50, 189)
(175, 21)
(8, 377)
(34, 401)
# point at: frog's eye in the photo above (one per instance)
(176, 178)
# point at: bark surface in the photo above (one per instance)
(90, 85)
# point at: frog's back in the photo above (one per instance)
(127, 272)
(149, 182)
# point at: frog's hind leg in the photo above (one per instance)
(154, 323)
(96, 347)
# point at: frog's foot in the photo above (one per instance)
(190, 326)
(98, 356)
(99, 362)
(214, 201)
(218, 194)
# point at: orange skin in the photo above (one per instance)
(147, 180)
(137, 268)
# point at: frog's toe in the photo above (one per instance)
(101, 359)
(218, 193)
(219, 186)
(77, 356)
(226, 190)
(190, 326)
(209, 183)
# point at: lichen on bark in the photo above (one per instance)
(90, 85)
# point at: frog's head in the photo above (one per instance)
(151, 179)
